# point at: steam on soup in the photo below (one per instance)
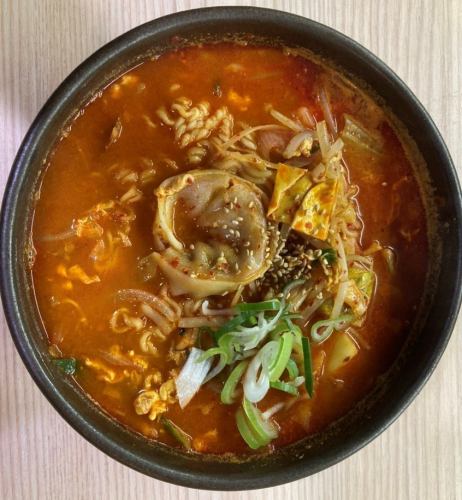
(230, 247)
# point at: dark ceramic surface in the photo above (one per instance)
(348, 435)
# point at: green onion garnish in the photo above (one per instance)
(267, 305)
(246, 432)
(177, 433)
(292, 369)
(229, 389)
(276, 369)
(232, 324)
(264, 430)
(285, 387)
(308, 366)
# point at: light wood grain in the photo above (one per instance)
(41, 457)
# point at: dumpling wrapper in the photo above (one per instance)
(290, 187)
(234, 244)
(315, 213)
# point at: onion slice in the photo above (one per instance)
(192, 376)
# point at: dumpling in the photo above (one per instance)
(231, 242)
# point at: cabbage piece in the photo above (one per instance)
(356, 299)
(354, 133)
(365, 280)
(290, 187)
(314, 214)
(232, 242)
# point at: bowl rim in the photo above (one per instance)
(11, 300)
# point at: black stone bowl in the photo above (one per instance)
(433, 325)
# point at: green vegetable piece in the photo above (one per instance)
(67, 365)
(292, 369)
(267, 305)
(246, 432)
(228, 392)
(177, 433)
(265, 430)
(232, 324)
(277, 368)
(365, 280)
(284, 387)
(308, 367)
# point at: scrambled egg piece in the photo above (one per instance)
(241, 102)
(155, 402)
(104, 372)
(76, 273)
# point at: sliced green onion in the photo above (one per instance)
(67, 365)
(293, 316)
(308, 366)
(281, 327)
(292, 369)
(226, 344)
(328, 326)
(232, 324)
(265, 430)
(285, 387)
(252, 321)
(267, 305)
(276, 369)
(246, 432)
(176, 432)
(213, 351)
(229, 389)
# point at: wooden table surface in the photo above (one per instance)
(41, 457)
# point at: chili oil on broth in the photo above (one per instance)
(119, 136)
